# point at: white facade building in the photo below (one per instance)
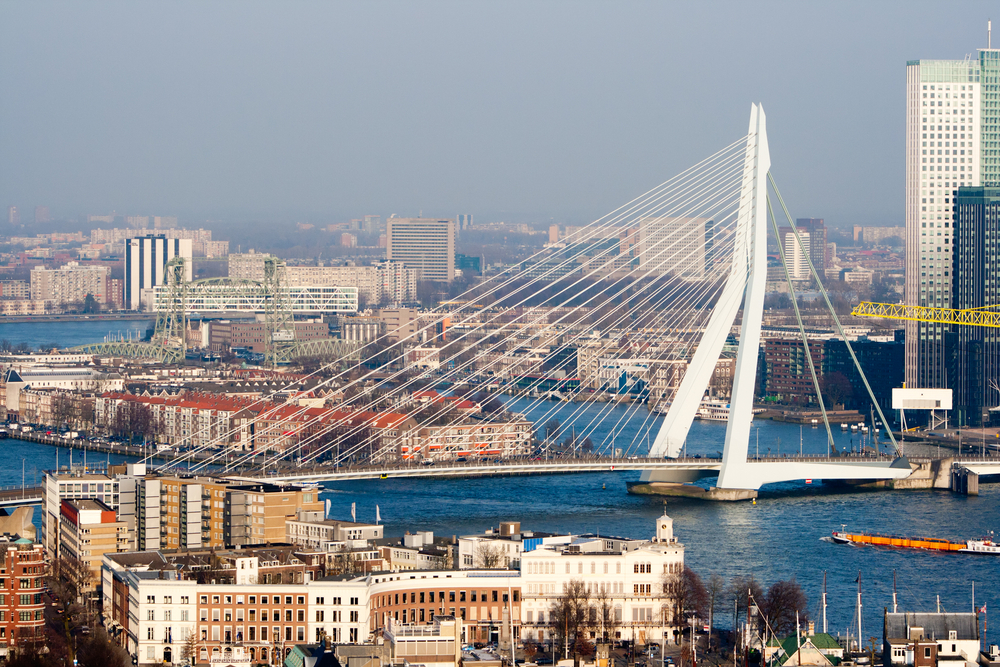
(950, 115)
(632, 575)
(145, 259)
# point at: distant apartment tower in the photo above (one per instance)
(145, 259)
(553, 233)
(42, 214)
(464, 221)
(949, 117)
(795, 259)
(817, 240)
(13, 216)
(678, 246)
(70, 283)
(424, 244)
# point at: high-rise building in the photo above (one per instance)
(145, 259)
(424, 244)
(678, 246)
(70, 284)
(42, 214)
(817, 240)
(553, 233)
(464, 221)
(795, 259)
(973, 353)
(952, 115)
(13, 217)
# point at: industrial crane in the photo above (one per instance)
(974, 317)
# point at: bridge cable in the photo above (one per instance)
(836, 319)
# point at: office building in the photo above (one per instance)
(952, 111)
(426, 245)
(678, 246)
(13, 216)
(973, 353)
(70, 283)
(145, 259)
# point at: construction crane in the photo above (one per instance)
(973, 317)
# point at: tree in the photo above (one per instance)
(189, 650)
(90, 305)
(740, 588)
(552, 429)
(687, 594)
(783, 605)
(97, 650)
(570, 619)
(490, 556)
(714, 589)
(836, 388)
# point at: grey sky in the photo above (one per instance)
(517, 111)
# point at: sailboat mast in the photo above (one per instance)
(894, 591)
(860, 635)
(824, 601)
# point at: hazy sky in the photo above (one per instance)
(506, 110)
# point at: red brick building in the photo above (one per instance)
(22, 609)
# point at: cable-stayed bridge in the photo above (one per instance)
(645, 300)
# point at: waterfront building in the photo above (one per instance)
(426, 245)
(74, 484)
(15, 289)
(71, 283)
(313, 531)
(930, 639)
(951, 115)
(635, 579)
(145, 259)
(974, 352)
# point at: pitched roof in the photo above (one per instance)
(936, 626)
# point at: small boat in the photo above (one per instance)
(985, 546)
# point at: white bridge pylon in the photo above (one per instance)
(745, 285)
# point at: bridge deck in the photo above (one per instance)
(702, 465)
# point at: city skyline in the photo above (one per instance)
(514, 112)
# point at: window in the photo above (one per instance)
(927, 651)
(301, 599)
(354, 600)
(151, 599)
(354, 616)
(150, 615)
(301, 615)
(319, 600)
(319, 615)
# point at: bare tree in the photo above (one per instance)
(783, 605)
(739, 588)
(490, 556)
(571, 619)
(687, 594)
(714, 589)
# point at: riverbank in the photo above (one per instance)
(74, 317)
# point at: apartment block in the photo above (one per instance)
(426, 245)
(91, 529)
(70, 284)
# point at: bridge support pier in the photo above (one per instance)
(964, 481)
(674, 490)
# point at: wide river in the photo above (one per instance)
(784, 535)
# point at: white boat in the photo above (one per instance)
(713, 410)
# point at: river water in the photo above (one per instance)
(68, 334)
(784, 535)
